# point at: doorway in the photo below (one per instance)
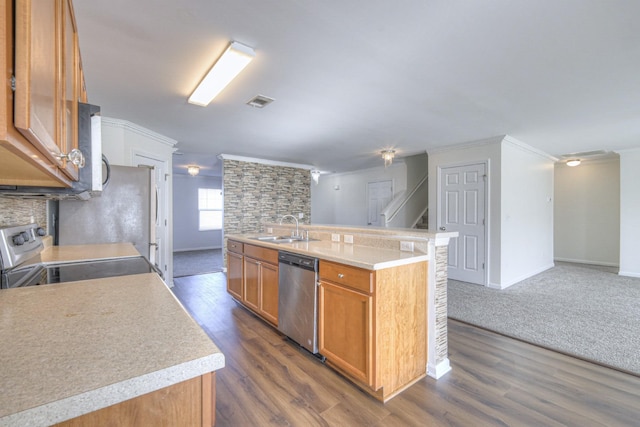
(462, 208)
(159, 210)
(379, 195)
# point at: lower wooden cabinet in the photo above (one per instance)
(345, 330)
(235, 276)
(372, 325)
(190, 403)
(252, 278)
(252, 283)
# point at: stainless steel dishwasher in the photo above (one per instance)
(298, 299)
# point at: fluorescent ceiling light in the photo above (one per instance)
(233, 60)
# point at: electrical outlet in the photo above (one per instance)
(335, 237)
(348, 238)
(269, 230)
(406, 246)
(301, 215)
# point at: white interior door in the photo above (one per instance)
(159, 209)
(379, 195)
(462, 209)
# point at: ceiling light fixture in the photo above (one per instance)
(193, 170)
(315, 174)
(573, 162)
(227, 67)
(388, 156)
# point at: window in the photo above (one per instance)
(210, 209)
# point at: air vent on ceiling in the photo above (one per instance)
(260, 101)
(583, 154)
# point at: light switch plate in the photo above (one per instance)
(269, 230)
(335, 237)
(348, 238)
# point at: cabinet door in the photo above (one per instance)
(252, 283)
(269, 293)
(45, 109)
(345, 330)
(234, 275)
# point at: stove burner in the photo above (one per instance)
(20, 263)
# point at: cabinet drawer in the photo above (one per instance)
(264, 254)
(353, 277)
(233, 246)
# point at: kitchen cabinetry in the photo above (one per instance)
(235, 276)
(372, 324)
(190, 403)
(39, 121)
(261, 281)
(252, 278)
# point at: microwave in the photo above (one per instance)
(90, 177)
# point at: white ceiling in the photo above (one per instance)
(352, 78)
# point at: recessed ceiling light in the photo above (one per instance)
(260, 101)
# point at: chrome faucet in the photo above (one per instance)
(296, 220)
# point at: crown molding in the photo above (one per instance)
(264, 161)
(132, 127)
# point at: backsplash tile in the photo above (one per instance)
(20, 211)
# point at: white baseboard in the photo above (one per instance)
(519, 279)
(629, 273)
(583, 261)
(196, 249)
(437, 371)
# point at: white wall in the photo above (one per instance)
(488, 150)
(186, 235)
(630, 213)
(520, 213)
(348, 204)
(121, 141)
(526, 212)
(587, 212)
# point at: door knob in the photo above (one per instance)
(443, 228)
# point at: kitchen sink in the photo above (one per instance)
(282, 239)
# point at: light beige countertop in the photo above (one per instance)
(72, 348)
(75, 253)
(370, 258)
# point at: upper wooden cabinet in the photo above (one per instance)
(39, 121)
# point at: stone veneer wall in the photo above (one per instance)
(19, 211)
(442, 342)
(256, 193)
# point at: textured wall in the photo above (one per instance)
(255, 193)
(20, 211)
(442, 341)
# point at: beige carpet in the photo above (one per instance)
(575, 309)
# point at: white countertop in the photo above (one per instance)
(370, 258)
(72, 348)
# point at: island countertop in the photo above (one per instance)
(367, 257)
(73, 348)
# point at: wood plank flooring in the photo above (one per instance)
(495, 381)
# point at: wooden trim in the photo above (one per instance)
(209, 399)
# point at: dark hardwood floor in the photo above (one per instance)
(495, 381)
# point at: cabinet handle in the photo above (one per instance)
(340, 275)
(74, 156)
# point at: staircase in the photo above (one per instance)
(423, 223)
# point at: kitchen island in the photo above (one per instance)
(381, 297)
(79, 348)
